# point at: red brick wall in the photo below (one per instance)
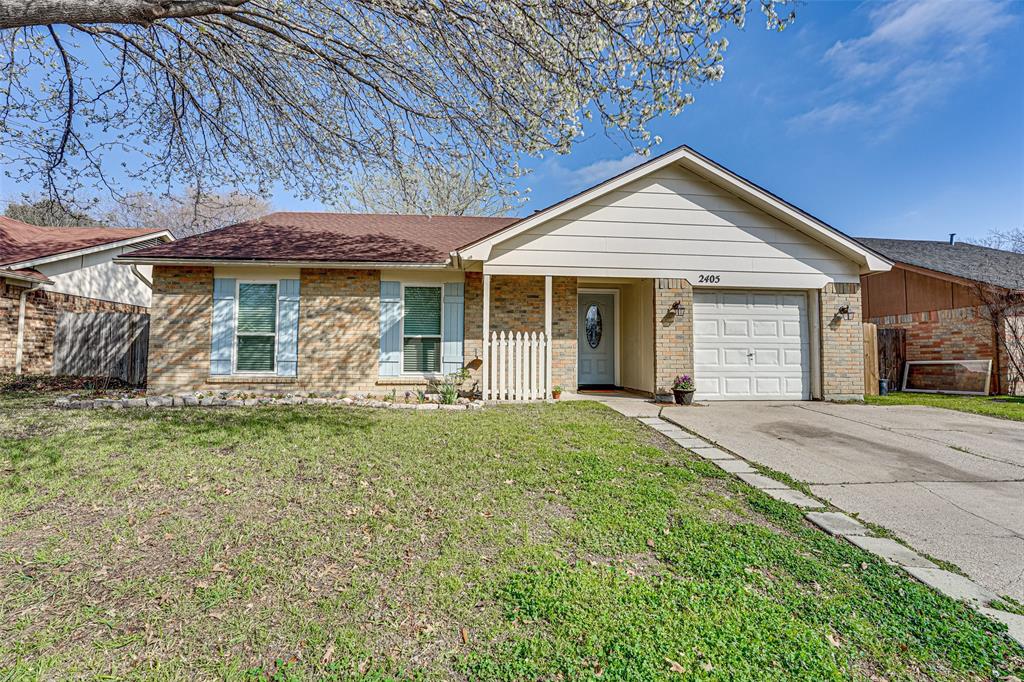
(958, 334)
(517, 305)
(42, 309)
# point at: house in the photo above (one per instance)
(46, 271)
(932, 292)
(678, 266)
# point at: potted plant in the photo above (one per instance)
(682, 389)
(556, 392)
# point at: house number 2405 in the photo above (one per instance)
(709, 279)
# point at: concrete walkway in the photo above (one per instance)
(948, 483)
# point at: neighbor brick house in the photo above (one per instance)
(932, 292)
(46, 271)
(678, 266)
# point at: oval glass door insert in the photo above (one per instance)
(593, 326)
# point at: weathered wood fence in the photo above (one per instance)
(892, 354)
(870, 359)
(114, 345)
(519, 367)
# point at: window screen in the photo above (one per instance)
(421, 343)
(256, 327)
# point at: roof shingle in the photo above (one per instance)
(334, 237)
(968, 261)
(20, 242)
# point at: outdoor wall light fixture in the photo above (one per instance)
(676, 308)
(844, 313)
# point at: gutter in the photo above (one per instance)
(127, 259)
(19, 350)
(141, 277)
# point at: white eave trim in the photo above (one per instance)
(19, 278)
(106, 246)
(718, 175)
(329, 265)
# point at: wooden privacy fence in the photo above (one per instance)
(892, 354)
(518, 367)
(870, 359)
(114, 345)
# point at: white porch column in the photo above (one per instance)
(547, 334)
(485, 380)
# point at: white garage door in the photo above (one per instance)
(751, 345)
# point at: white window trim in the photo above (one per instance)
(440, 337)
(234, 337)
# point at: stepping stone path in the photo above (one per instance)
(842, 526)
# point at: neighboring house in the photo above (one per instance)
(932, 293)
(678, 266)
(45, 271)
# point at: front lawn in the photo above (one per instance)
(1006, 407)
(557, 542)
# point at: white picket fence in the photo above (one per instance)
(518, 367)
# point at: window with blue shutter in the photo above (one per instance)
(421, 331)
(256, 327)
(288, 328)
(452, 350)
(390, 328)
(222, 337)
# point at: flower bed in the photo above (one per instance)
(226, 399)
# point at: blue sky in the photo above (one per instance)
(900, 119)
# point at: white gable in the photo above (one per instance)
(673, 223)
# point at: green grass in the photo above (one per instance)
(542, 542)
(1006, 407)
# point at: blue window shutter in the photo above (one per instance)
(288, 327)
(390, 328)
(452, 336)
(222, 338)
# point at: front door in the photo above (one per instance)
(596, 363)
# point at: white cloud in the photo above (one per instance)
(576, 179)
(916, 52)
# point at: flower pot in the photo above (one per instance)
(556, 394)
(683, 397)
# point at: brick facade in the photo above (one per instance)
(955, 334)
(42, 310)
(673, 332)
(339, 334)
(842, 344)
(517, 305)
(339, 328)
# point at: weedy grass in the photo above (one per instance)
(1005, 407)
(532, 542)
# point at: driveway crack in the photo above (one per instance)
(910, 435)
(969, 512)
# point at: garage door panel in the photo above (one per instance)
(705, 328)
(735, 328)
(768, 386)
(751, 345)
(736, 386)
(734, 357)
(792, 329)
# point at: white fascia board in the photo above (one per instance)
(22, 279)
(868, 260)
(164, 234)
(128, 259)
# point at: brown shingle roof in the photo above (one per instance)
(345, 237)
(21, 242)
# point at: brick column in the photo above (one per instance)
(842, 344)
(673, 332)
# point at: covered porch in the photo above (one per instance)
(539, 332)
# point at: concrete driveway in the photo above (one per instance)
(948, 483)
